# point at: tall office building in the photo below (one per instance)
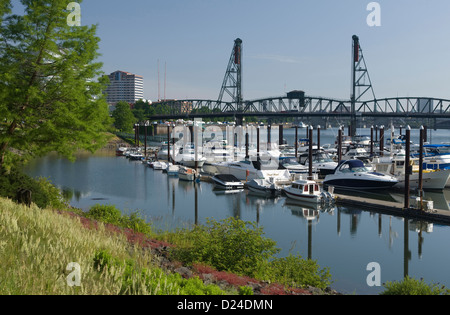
(124, 86)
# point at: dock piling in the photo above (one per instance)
(407, 166)
(310, 175)
(421, 140)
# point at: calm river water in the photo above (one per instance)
(344, 239)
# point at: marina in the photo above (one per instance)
(358, 228)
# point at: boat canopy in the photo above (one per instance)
(351, 165)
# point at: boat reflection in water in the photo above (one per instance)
(309, 211)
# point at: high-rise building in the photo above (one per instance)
(124, 86)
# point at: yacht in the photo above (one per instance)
(432, 179)
(356, 153)
(323, 164)
(186, 156)
(216, 156)
(290, 163)
(248, 170)
(353, 174)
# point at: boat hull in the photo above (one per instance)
(186, 177)
(261, 186)
(358, 184)
(436, 180)
(303, 197)
(227, 182)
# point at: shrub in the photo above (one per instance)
(135, 222)
(43, 192)
(245, 290)
(411, 286)
(229, 245)
(297, 272)
(105, 214)
(110, 214)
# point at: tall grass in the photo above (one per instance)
(37, 245)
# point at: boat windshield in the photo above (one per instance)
(437, 149)
(355, 166)
(322, 158)
(288, 161)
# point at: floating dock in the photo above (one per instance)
(394, 208)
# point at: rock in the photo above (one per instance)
(184, 272)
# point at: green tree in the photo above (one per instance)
(123, 117)
(50, 84)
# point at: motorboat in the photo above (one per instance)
(215, 155)
(165, 166)
(162, 152)
(322, 163)
(266, 186)
(308, 191)
(432, 179)
(227, 181)
(172, 170)
(187, 173)
(120, 151)
(356, 153)
(157, 165)
(188, 157)
(291, 164)
(436, 157)
(353, 174)
(258, 169)
(362, 140)
(136, 156)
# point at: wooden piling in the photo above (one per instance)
(168, 143)
(280, 134)
(339, 144)
(381, 141)
(246, 146)
(407, 166)
(310, 175)
(318, 137)
(257, 141)
(371, 141)
(421, 140)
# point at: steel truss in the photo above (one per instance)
(313, 106)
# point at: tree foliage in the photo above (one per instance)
(50, 84)
(123, 117)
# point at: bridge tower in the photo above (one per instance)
(361, 83)
(232, 82)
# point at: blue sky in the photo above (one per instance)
(287, 45)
